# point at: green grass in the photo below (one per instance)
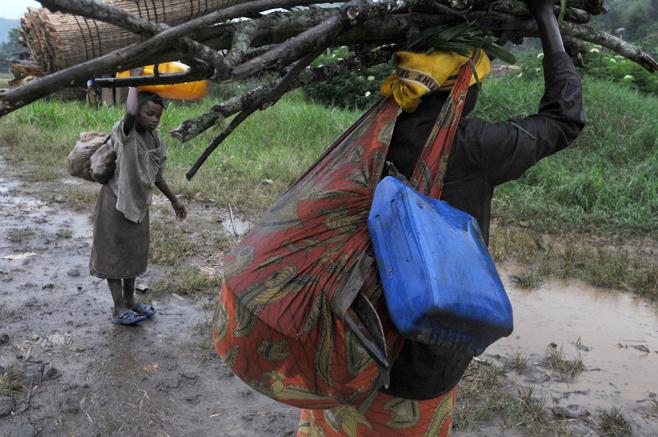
(528, 279)
(42, 174)
(12, 381)
(187, 281)
(567, 368)
(267, 153)
(606, 182)
(21, 235)
(170, 244)
(569, 256)
(612, 423)
(81, 198)
(483, 400)
(64, 233)
(516, 362)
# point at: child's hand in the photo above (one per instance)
(179, 209)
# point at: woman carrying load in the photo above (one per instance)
(421, 395)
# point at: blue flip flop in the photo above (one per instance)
(145, 310)
(129, 317)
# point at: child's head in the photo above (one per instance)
(150, 110)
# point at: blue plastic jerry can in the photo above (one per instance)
(440, 283)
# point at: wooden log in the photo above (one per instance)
(192, 128)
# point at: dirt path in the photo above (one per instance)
(576, 351)
(88, 377)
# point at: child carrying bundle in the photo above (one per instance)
(121, 220)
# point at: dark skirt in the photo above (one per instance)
(121, 248)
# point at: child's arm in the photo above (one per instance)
(131, 110)
(179, 208)
(132, 104)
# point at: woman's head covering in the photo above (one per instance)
(418, 74)
(147, 96)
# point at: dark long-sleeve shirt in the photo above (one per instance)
(484, 155)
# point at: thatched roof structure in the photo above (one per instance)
(57, 41)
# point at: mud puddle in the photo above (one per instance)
(614, 334)
(84, 376)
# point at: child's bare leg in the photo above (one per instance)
(129, 292)
(117, 297)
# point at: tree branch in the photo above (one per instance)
(261, 103)
(319, 36)
(127, 57)
(298, 34)
(611, 42)
(192, 128)
(573, 31)
(242, 37)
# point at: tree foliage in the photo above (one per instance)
(639, 18)
(13, 45)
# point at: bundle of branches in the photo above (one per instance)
(248, 38)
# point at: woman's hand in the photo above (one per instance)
(541, 8)
(549, 30)
(179, 209)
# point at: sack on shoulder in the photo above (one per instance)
(80, 157)
(301, 317)
(103, 163)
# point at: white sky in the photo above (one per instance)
(16, 8)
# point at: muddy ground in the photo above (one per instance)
(158, 378)
(84, 376)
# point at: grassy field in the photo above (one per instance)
(249, 170)
(607, 181)
(605, 185)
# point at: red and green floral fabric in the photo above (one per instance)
(274, 324)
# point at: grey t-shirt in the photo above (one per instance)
(137, 169)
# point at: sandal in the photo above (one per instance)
(145, 310)
(129, 317)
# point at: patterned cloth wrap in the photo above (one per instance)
(274, 325)
(384, 416)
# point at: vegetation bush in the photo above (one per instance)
(357, 89)
(618, 69)
(602, 64)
